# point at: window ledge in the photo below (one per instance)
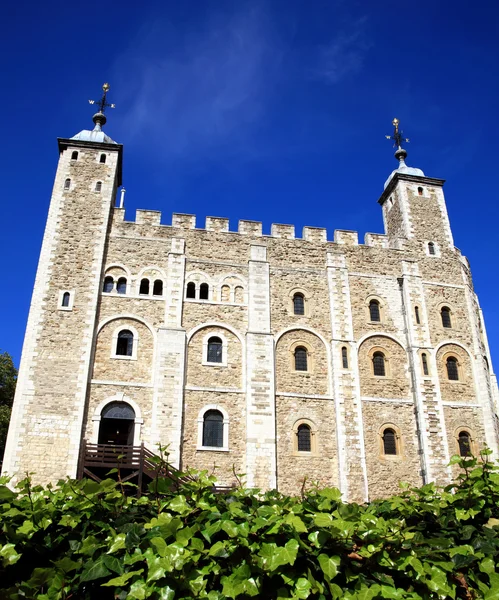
(211, 449)
(391, 457)
(66, 308)
(121, 357)
(205, 363)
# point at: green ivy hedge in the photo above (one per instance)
(84, 540)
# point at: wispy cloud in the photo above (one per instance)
(344, 54)
(192, 93)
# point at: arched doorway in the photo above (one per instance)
(117, 425)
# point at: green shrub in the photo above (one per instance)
(84, 540)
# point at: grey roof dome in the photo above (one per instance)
(96, 135)
(401, 154)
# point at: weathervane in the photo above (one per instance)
(397, 135)
(102, 104)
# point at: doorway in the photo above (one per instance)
(117, 426)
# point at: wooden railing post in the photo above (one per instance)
(141, 470)
(81, 459)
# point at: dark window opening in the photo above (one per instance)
(102, 159)
(204, 291)
(431, 248)
(65, 299)
(425, 364)
(117, 424)
(445, 313)
(98, 186)
(124, 345)
(374, 312)
(304, 436)
(299, 304)
(420, 191)
(157, 289)
(452, 369)
(121, 285)
(379, 364)
(213, 429)
(74, 155)
(191, 290)
(464, 443)
(144, 287)
(344, 357)
(389, 442)
(108, 284)
(301, 363)
(67, 184)
(215, 350)
(416, 312)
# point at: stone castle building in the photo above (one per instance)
(354, 365)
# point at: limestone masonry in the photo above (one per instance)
(350, 364)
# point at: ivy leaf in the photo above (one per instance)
(303, 588)
(113, 564)
(122, 580)
(138, 590)
(179, 505)
(273, 556)
(94, 570)
(329, 565)
(9, 554)
(323, 520)
(118, 543)
(66, 564)
(296, 523)
(6, 494)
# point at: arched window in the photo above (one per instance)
(304, 438)
(299, 304)
(301, 362)
(204, 291)
(420, 191)
(191, 290)
(416, 314)
(102, 158)
(98, 186)
(65, 299)
(74, 155)
(157, 288)
(124, 344)
(225, 293)
(452, 369)
(424, 362)
(144, 287)
(389, 441)
(108, 284)
(344, 357)
(379, 364)
(445, 314)
(431, 248)
(117, 424)
(214, 350)
(239, 294)
(213, 429)
(374, 312)
(67, 184)
(121, 285)
(464, 441)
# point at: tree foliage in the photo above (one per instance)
(85, 540)
(8, 379)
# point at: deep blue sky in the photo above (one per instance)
(268, 110)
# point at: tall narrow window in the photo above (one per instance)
(420, 191)
(204, 291)
(214, 350)
(98, 186)
(379, 364)
(213, 429)
(191, 290)
(67, 184)
(424, 362)
(102, 158)
(65, 299)
(304, 435)
(157, 288)
(121, 285)
(464, 442)
(389, 441)
(452, 369)
(124, 345)
(374, 312)
(108, 284)
(225, 293)
(301, 362)
(431, 248)
(74, 155)
(299, 304)
(144, 287)
(416, 314)
(445, 314)
(344, 357)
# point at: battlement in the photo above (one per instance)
(316, 235)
